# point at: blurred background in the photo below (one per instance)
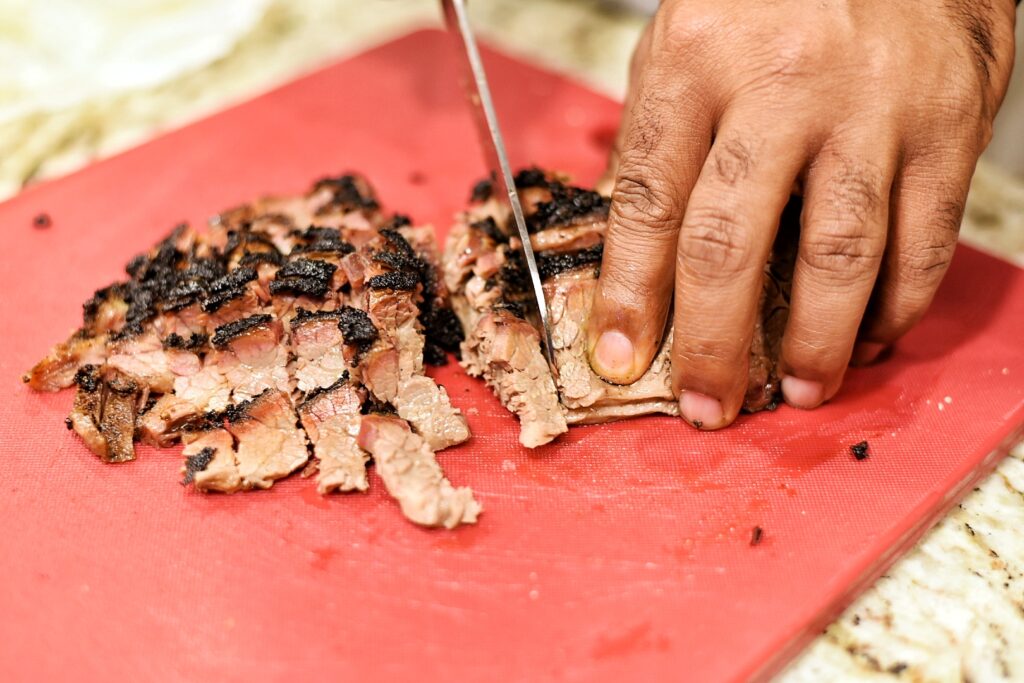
(83, 79)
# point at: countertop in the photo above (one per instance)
(952, 609)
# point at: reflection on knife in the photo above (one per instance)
(457, 20)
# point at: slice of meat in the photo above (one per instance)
(270, 444)
(159, 425)
(210, 460)
(117, 422)
(143, 357)
(412, 475)
(87, 410)
(207, 389)
(321, 354)
(57, 370)
(331, 420)
(379, 372)
(251, 355)
(426, 406)
(505, 351)
(104, 412)
(569, 238)
(395, 314)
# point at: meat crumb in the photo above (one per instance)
(42, 221)
(860, 450)
(756, 535)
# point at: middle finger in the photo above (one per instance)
(724, 242)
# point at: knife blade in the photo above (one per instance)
(479, 94)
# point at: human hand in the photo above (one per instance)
(876, 110)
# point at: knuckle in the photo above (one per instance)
(715, 240)
(706, 357)
(854, 190)
(733, 159)
(680, 29)
(642, 200)
(797, 53)
(923, 266)
(841, 254)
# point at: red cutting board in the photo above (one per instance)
(620, 553)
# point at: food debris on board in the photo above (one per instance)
(292, 330)
(860, 450)
(484, 270)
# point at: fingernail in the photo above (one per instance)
(702, 411)
(866, 353)
(613, 355)
(802, 393)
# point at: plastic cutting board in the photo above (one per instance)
(623, 552)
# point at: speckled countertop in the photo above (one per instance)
(951, 610)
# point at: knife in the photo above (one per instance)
(457, 20)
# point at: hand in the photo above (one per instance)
(877, 109)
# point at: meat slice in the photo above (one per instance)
(395, 314)
(270, 444)
(379, 372)
(159, 425)
(426, 406)
(104, 412)
(331, 420)
(117, 421)
(568, 238)
(321, 354)
(412, 475)
(88, 409)
(505, 351)
(57, 370)
(207, 389)
(143, 357)
(251, 355)
(210, 463)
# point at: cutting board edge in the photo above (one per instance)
(909, 538)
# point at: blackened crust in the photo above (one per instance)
(225, 333)
(550, 265)
(482, 191)
(347, 192)
(88, 378)
(303, 316)
(194, 342)
(254, 258)
(197, 463)
(227, 288)
(357, 328)
(304, 276)
(489, 227)
(320, 391)
(396, 280)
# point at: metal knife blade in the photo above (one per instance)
(457, 20)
